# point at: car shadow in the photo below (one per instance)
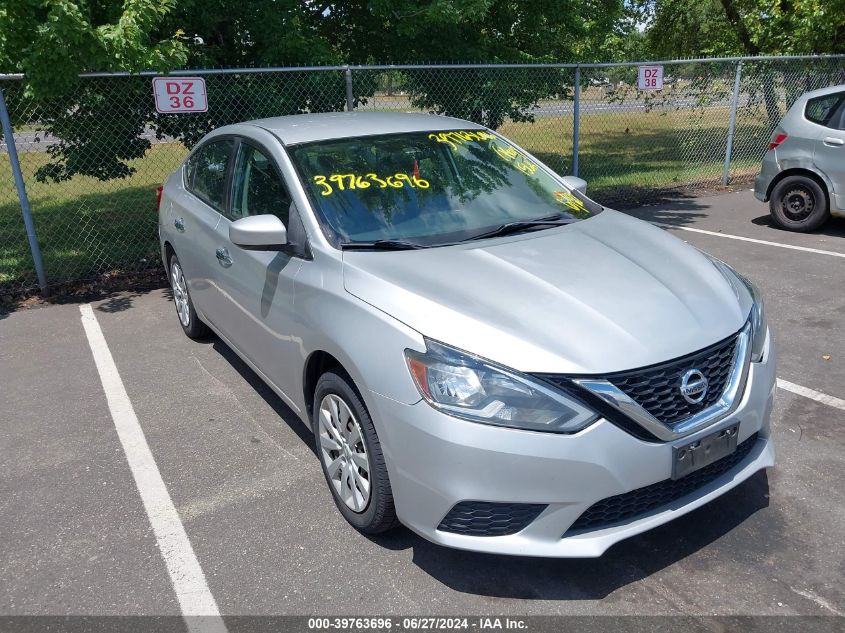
(262, 389)
(835, 227)
(631, 560)
(675, 210)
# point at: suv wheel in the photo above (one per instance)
(798, 203)
(188, 318)
(351, 456)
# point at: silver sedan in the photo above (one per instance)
(483, 353)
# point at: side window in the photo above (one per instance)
(207, 172)
(190, 170)
(838, 120)
(257, 186)
(825, 110)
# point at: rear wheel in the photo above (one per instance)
(798, 203)
(351, 456)
(188, 319)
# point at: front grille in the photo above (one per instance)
(657, 388)
(482, 518)
(633, 504)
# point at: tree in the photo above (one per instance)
(696, 28)
(746, 27)
(101, 124)
(474, 31)
(51, 41)
(54, 40)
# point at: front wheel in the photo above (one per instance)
(188, 318)
(351, 456)
(798, 203)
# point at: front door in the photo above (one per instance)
(258, 285)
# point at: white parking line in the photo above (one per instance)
(188, 580)
(806, 249)
(818, 396)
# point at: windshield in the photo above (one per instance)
(429, 188)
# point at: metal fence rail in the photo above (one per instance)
(90, 163)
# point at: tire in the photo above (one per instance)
(798, 203)
(370, 511)
(185, 312)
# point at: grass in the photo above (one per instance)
(88, 228)
(85, 227)
(625, 154)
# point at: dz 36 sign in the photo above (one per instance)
(180, 94)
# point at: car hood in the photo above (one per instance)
(601, 295)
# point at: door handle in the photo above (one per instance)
(833, 141)
(223, 257)
(179, 223)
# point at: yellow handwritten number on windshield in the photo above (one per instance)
(342, 182)
(571, 201)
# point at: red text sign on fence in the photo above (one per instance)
(651, 78)
(180, 94)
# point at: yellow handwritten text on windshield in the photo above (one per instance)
(342, 182)
(565, 197)
(460, 137)
(511, 155)
(505, 152)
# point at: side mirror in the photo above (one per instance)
(576, 184)
(259, 233)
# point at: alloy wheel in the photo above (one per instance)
(344, 453)
(180, 294)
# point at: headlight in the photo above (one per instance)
(468, 387)
(757, 316)
(758, 321)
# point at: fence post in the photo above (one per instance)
(350, 99)
(576, 120)
(726, 170)
(34, 247)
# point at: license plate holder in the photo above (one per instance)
(690, 457)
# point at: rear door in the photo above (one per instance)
(828, 113)
(258, 286)
(197, 210)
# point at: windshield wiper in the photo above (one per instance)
(515, 227)
(381, 245)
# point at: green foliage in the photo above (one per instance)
(745, 27)
(54, 40)
(690, 28)
(51, 41)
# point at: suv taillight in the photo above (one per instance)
(779, 138)
(159, 189)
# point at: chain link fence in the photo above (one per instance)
(92, 161)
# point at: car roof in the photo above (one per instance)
(822, 92)
(305, 128)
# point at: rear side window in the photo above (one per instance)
(207, 170)
(825, 110)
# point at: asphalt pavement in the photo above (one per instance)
(241, 473)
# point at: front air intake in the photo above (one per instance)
(632, 505)
(483, 518)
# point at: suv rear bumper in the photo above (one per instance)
(763, 182)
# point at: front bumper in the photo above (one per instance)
(436, 461)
